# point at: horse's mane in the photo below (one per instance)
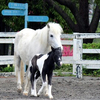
(42, 34)
(55, 27)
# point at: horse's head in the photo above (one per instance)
(55, 31)
(57, 56)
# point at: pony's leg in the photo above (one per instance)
(49, 85)
(33, 81)
(46, 89)
(17, 67)
(27, 81)
(33, 90)
(44, 84)
(33, 85)
(43, 87)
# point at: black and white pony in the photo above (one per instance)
(29, 42)
(42, 65)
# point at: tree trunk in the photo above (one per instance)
(83, 10)
(84, 13)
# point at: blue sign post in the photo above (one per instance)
(18, 5)
(23, 11)
(7, 12)
(37, 18)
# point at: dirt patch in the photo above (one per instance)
(63, 88)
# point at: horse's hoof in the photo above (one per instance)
(46, 94)
(19, 90)
(25, 93)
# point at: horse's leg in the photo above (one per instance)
(44, 84)
(27, 81)
(17, 69)
(49, 85)
(22, 72)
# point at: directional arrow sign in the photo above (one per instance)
(18, 5)
(8, 12)
(37, 18)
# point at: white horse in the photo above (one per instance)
(29, 42)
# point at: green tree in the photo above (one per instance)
(35, 7)
(80, 11)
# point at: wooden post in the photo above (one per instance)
(77, 51)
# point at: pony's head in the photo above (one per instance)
(54, 30)
(57, 56)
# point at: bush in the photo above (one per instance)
(91, 72)
(64, 68)
(7, 69)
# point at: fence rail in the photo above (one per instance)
(9, 37)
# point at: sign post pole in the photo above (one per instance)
(26, 14)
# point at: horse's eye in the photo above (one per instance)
(51, 35)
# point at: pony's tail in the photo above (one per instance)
(22, 72)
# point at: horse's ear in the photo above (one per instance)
(48, 25)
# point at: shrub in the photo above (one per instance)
(7, 69)
(64, 68)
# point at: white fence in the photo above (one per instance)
(7, 38)
(76, 59)
(78, 51)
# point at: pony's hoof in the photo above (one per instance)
(38, 95)
(25, 93)
(33, 95)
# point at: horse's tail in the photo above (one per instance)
(18, 62)
(22, 71)
(15, 64)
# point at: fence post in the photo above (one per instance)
(77, 51)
